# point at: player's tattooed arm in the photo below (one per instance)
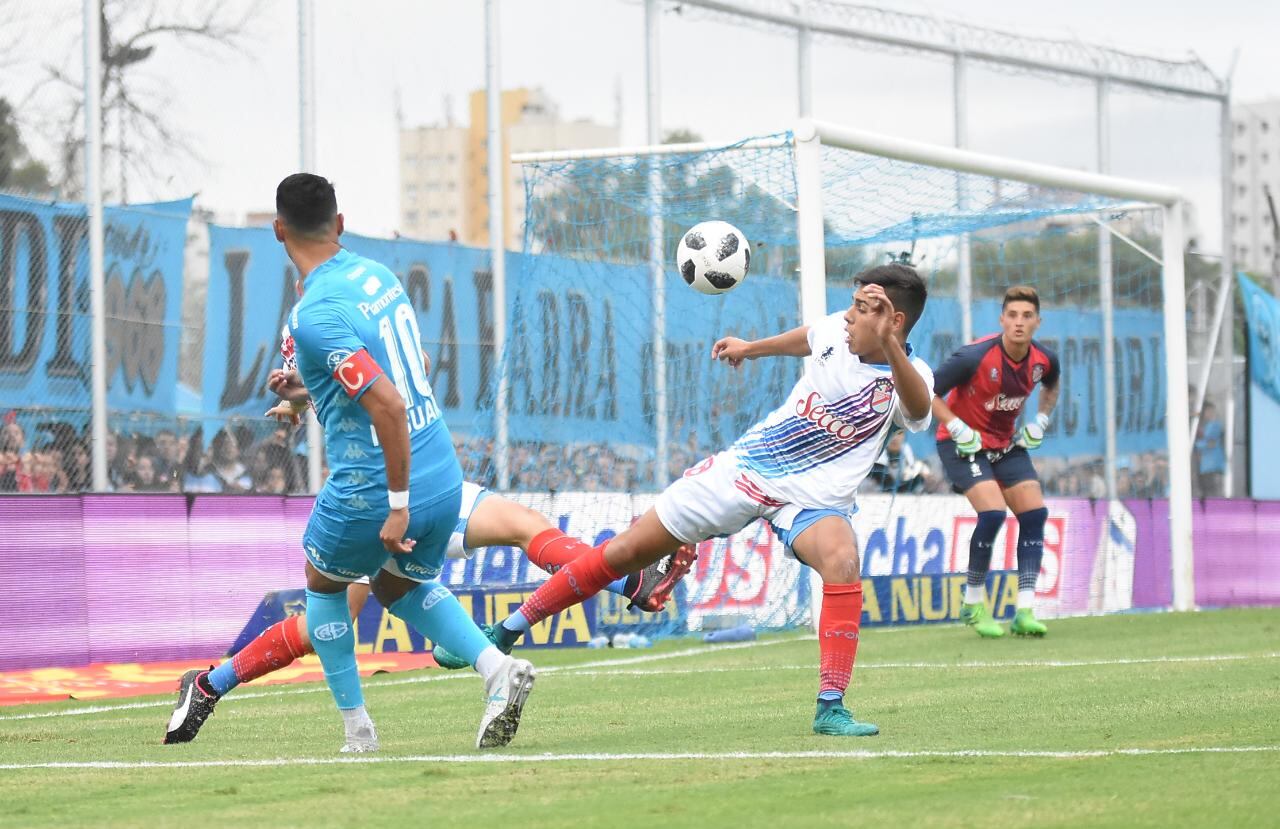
(793, 343)
(386, 410)
(1049, 398)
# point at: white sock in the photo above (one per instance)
(1026, 599)
(975, 594)
(354, 718)
(490, 661)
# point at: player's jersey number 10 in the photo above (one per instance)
(402, 341)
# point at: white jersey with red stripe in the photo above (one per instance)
(815, 449)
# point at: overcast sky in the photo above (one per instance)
(720, 80)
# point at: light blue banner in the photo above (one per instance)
(44, 296)
(1263, 312)
(1075, 335)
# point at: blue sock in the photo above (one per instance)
(829, 699)
(223, 678)
(1030, 546)
(329, 626)
(619, 587)
(984, 536)
(435, 613)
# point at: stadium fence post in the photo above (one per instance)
(93, 202)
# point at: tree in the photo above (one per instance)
(18, 171)
(145, 140)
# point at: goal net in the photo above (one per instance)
(611, 392)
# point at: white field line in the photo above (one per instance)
(481, 759)
(412, 680)
(868, 666)
(586, 669)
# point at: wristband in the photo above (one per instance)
(1042, 420)
(398, 500)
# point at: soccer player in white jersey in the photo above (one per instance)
(799, 469)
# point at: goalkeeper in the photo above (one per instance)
(979, 393)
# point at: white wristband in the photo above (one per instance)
(398, 500)
(1042, 420)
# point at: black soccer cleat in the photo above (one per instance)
(651, 587)
(195, 704)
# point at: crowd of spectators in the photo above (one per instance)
(266, 458)
(238, 458)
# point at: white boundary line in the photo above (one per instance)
(1021, 663)
(587, 669)
(481, 759)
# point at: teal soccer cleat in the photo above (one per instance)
(838, 721)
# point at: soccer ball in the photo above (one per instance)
(713, 257)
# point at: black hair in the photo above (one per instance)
(306, 202)
(904, 287)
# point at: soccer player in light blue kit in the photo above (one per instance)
(394, 490)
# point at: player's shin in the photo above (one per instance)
(1030, 552)
(329, 626)
(575, 582)
(838, 626)
(984, 537)
(435, 613)
(276, 647)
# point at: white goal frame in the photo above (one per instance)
(810, 136)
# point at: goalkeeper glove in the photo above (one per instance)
(1033, 433)
(968, 442)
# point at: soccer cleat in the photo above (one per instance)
(446, 659)
(976, 616)
(656, 582)
(838, 721)
(193, 708)
(1025, 623)
(361, 738)
(505, 695)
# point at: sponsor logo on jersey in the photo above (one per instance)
(371, 285)
(816, 412)
(356, 273)
(881, 395)
(331, 631)
(995, 374)
(1036, 373)
(357, 478)
(369, 309)
(826, 353)
(354, 453)
(357, 502)
(347, 425)
(1005, 403)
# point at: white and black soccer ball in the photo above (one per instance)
(713, 257)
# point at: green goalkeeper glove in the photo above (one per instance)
(1033, 433)
(968, 442)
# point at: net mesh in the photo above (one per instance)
(579, 361)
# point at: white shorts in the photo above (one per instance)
(717, 498)
(472, 494)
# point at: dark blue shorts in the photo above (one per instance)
(1006, 467)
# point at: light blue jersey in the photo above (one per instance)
(353, 305)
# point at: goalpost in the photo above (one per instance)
(825, 200)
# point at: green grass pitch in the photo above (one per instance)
(1134, 720)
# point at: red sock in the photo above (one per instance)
(552, 549)
(278, 645)
(838, 634)
(575, 582)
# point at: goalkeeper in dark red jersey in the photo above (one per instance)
(979, 394)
